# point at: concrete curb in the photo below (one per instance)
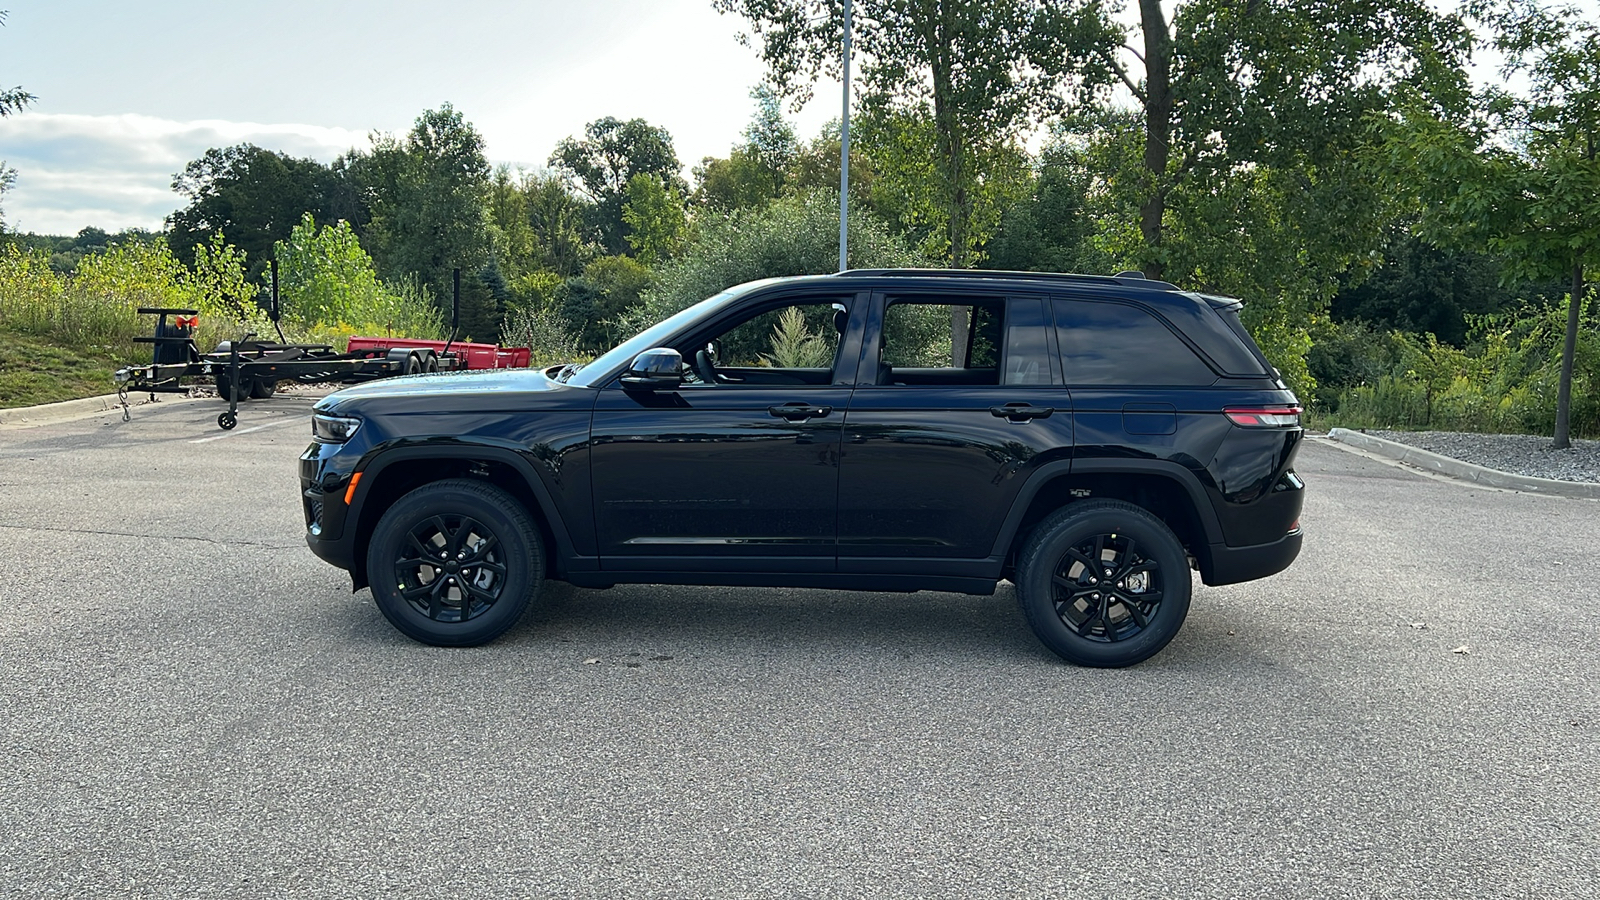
(65, 411)
(1465, 471)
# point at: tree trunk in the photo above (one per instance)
(949, 138)
(952, 149)
(1563, 436)
(1158, 132)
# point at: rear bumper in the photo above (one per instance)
(1231, 565)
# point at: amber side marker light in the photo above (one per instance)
(1264, 416)
(350, 491)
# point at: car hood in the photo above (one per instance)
(494, 390)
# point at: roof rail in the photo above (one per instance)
(1130, 279)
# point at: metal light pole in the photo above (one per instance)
(844, 153)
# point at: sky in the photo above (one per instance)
(130, 92)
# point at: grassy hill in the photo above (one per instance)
(35, 370)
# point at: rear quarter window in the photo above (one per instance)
(1218, 334)
(1117, 343)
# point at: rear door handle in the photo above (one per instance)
(799, 412)
(1020, 412)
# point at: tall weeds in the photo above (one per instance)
(1504, 381)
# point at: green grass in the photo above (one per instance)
(36, 370)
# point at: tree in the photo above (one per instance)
(13, 100)
(796, 235)
(594, 305)
(1423, 288)
(654, 214)
(609, 156)
(252, 197)
(758, 170)
(8, 177)
(557, 217)
(816, 168)
(1246, 164)
(515, 245)
(912, 195)
(1050, 229)
(1228, 87)
(329, 281)
(1523, 177)
(429, 196)
(974, 72)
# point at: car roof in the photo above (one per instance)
(1122, 279)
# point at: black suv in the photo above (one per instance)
(1091, 439)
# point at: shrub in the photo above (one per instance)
(1504, 382)
(797, 235)
(330, 287)
(544, 332)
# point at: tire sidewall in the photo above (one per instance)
(1059, 533)
(498, 512)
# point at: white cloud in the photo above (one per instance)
(116, 172)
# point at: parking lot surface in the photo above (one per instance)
(192, 705)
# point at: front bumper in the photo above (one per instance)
(324, 480)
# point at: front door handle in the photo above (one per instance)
(799, 412)
(1020, 412)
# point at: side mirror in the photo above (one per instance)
(654, 370)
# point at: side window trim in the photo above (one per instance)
(1017, 318)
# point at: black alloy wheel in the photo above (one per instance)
(450, 568)
(1103, 583)
(455, 563)
(1105, 589)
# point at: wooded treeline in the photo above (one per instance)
(1402, 239)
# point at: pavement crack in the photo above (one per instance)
(151, 537)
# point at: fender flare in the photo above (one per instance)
(456, 448)
(1204, 511)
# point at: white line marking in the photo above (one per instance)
(225, 434)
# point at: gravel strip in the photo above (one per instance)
(1518, 454)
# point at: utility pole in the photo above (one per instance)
(844, 153)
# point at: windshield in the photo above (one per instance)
(654, 336)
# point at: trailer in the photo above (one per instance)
(249, 367)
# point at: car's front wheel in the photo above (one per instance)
(455, 563)
(1103, 583)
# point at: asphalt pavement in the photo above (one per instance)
(192, 705)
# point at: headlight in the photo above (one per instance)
(333, 429)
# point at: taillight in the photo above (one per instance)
(1264, 416)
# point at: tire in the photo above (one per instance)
(1066, 602)
(432, 365)
(262, 388)
(225, 388)
(413, 365)
(425, 599)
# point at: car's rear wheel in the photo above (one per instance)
(455, 563)
(1103, 583)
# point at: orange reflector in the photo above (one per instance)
(351, 490)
